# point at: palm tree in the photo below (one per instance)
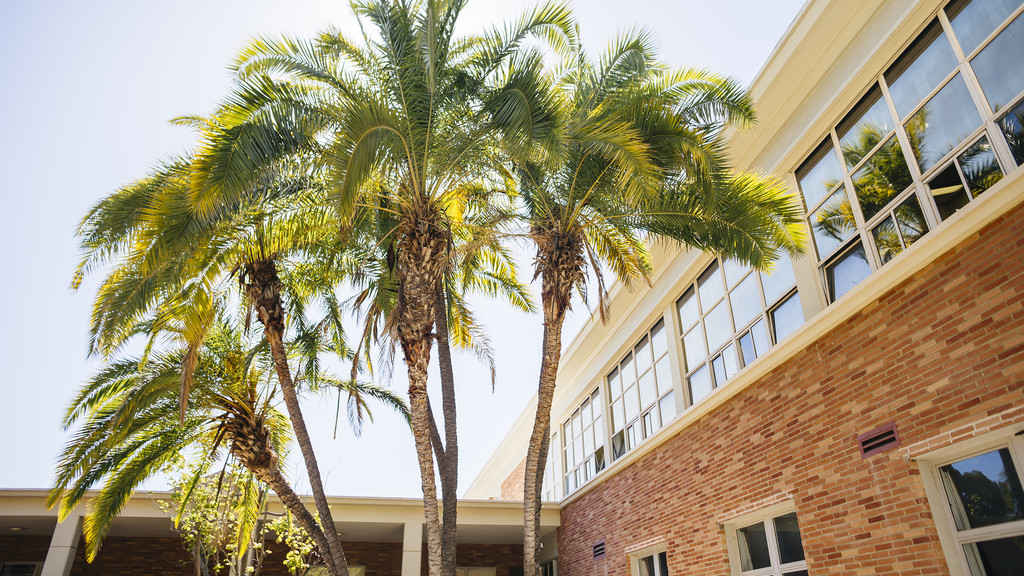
(130, 426)
(399, 126)
(172, 265)
(625, 151)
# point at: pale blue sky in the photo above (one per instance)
(87, 88)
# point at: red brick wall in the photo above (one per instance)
(500, 556)
(512, 486)
(942, 355)
(131, 556)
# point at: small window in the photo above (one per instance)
(20, 569)
(979, 505)
(650, 561)
(475, 571)
(767, 543)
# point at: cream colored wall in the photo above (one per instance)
(829, 56)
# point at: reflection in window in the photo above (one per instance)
(998, 67)
(654, 565)
(920, 69)
(974, 171)
(882, 178)
(724, 321)
(865, 126)
(943, 123)
(642, 400)
(846, 271)
(819, 174)
(833, 223)
(1012, 126)
(974, 21)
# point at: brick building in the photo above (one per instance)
(860, 410)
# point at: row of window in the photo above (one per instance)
(934, 131)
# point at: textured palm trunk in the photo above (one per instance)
(272, 477)
(449, 465)
(421, 254)
(559, 263)
(263, 290)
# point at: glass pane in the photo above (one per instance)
(659, 340)
(847, 272)
(648, 389)
(719, 326)
(779, 281)
(595, 404)
(986, 490)
(652, 422)
(1002, 557)
(663, 563)
(942, 123)
(632, 400)
(718, 367)
(833, 223)
(618, 415)
(948, 192)
(797, 573)
(667, 406)
(761, 341)
(1012, 126)
(588, 441)
(689, 314)
(664, 376)
(910, 220)
(588, 418)
(881, 178)
(980, 167)
(747, 347)
(787, 532)
(618, 444)
(920, 69)
(732, 365)
(734, 271)
(998, 66)
(627, 371)
(632, 436)
(710, 287)
(576, 428)
(614, 383)
(974, 21)
(787, 317)
(745, 300)
(865, 126)
(753, 547)
(695, 348)
(599, 459)
(647, 566)
(642, 353)
(700, 383)
(887, 241)
(819, 174)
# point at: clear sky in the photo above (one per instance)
(87, 88)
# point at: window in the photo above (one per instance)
(551, 489)
(767, 543)
(649, 561)
(584, 442)
(918, 146)
(978, 504)
(472, 571)
(549, 568)
(732, 315)
(640, 391)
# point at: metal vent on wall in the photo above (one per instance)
(599, 549)
(879, 440)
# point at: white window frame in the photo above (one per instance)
(953, 540)
(636, 556)
(766, 515)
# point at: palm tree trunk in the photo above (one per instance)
(537, 452)
(264, 293)
(272, 477)
(449, 466)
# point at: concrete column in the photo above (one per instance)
(412, 549)
(63, 546)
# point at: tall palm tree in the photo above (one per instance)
(625, 151)
(130, 426)
(171, 266)
(399, 125)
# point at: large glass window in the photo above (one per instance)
(584, 442)
(917, 146)
(640, 391)
(551, 489)
(730, 316)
